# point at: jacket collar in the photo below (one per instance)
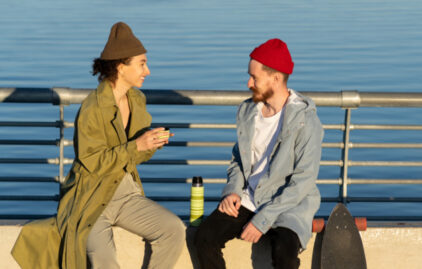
(105, 97)
(111, 112)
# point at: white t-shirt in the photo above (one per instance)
(265, 136)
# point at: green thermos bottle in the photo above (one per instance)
(196, 201)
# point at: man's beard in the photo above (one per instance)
(258, 97)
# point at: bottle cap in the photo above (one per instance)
(197, 181)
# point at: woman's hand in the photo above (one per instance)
(152, 139)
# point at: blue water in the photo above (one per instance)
(355, 45)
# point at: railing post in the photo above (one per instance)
(61, 144)
(345, 156)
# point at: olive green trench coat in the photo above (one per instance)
(103, 154)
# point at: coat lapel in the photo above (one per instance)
(118, 127)
(137, 107)
(290, 123)
(110, 110)
(245, 134)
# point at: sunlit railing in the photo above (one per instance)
(348, 100)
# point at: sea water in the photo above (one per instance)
(369, 46)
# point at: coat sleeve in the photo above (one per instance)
(145, 155)
(235, 177)
(302, 181)
(92, 149)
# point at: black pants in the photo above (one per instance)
(219, 228)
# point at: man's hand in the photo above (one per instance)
(230, 205)
(251, 233)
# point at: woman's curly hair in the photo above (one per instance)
(107, 69)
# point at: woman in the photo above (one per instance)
(103, 188)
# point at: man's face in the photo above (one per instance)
(260, 82)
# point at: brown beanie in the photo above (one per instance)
(122, 43)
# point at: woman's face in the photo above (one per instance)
(135, 72)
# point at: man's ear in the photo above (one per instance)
(278, 77)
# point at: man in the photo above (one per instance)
(271, 185)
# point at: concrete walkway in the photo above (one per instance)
(385, 248)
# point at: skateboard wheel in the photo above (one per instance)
(318, 225)
(361, 224)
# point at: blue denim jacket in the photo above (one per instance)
(287, 195)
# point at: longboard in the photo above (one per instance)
(341, 243)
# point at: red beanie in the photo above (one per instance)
(275, 54)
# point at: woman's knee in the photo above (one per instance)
(102, 256)
(179, 230)
(174, 230)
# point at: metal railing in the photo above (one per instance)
(348, 100)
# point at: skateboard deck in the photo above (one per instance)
(341, 243)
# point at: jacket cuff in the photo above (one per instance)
(132, 150)
(131, 147)
(229, 189)
(261, 223)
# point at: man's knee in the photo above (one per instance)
(204, 237)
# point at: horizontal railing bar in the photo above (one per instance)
(384, 181)
(25, 216)
(373, 221)
(183, 180)
(210, 162)
(195, 125)
(376, 221)
(179, 125)
(328, 181)
(200, 144)
(155, 198)
(331, 163)
(30, 161)
(68, 124)
(181, 198)
(333, 145)
(391, 218)
(323, 199)
(29, 142)
(385, 199)
(385, 145)
(383, 163)
(372, 127)
(344, 99)
(68, 142)
(333, 127)
(384, 127)
(188, 162)
(29, 179)
(224, 180)
(372, 145)
(29, 124)
(29, 197)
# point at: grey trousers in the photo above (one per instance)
(128, 209)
